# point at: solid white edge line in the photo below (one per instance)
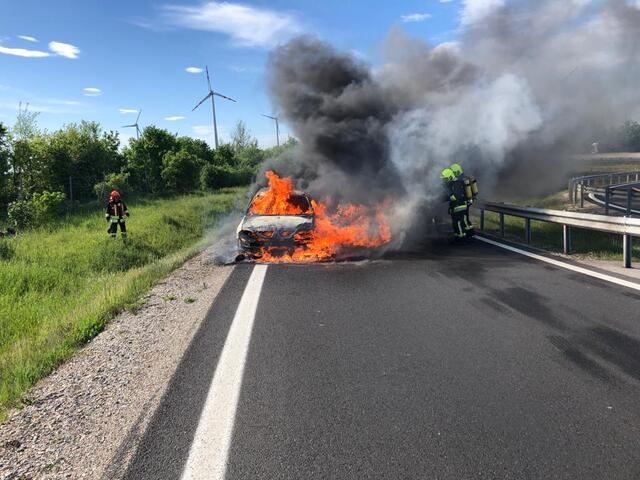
(557, 263)
(209, 451)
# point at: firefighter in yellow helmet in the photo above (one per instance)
(454, 194)
(470, 192)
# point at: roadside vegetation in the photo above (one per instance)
(60, 284)
(46, 174)
(61, 277)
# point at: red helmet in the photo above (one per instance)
(114, 195)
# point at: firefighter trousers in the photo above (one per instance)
(113, 228)
(462, 227)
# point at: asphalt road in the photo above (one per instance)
(461, 363)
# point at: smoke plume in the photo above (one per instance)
(528, 83)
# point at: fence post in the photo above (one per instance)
(627, 250)
(502, 224)
(570, 189)
(566, 239)
(527, 230)
(482, 219)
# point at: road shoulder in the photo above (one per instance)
(84, 420)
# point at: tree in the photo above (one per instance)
(241, 137)
(81, 154)
(224, 155)
(181, 171)
(196, 147)
(23, 162)
(4, 163)
(631, 136)
(144, 159)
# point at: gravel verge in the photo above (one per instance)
(96, 406)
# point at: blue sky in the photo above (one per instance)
(133, 54)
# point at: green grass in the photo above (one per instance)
(60, 285)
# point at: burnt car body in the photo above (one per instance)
(279, 233)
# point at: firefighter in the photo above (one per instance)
(470, 190)
(115, 214)
(454, 194)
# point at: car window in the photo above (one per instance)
(265, 204)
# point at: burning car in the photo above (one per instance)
(285, 225)
(280, 226)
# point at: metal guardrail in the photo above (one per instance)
(578, 186)
(627, 227)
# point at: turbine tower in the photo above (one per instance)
(135, 125)
(277, 127)
(212, 95)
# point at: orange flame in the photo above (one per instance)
(343, 228)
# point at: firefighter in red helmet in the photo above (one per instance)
(115, 214)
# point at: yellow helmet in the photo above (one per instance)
(456, 169)
(447, 174)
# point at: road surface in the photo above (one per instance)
(464, 362)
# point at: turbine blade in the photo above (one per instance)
(202, 101)
(269, 116)
(129, 126)
(138, 117)
(208, 79)
(223, 96)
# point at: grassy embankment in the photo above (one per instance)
(548, 236)
(59, 286)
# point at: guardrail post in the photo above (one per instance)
(607, 197)
(629, 200)
(527, 230)
(627, 250)
(582, 195)
(502, 224)
(566, 239)
(482, 219)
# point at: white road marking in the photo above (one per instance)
(210, 448)
(557, 263)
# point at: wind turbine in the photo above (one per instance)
(212, 95)
(135, 125)
(277, 127)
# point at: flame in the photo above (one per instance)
(341, 228)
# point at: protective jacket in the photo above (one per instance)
(455, 195)
(116, 210)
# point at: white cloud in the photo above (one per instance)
(474, 11)
(446, 1)
(23, 52)
(92, 92)
(127, 110)
(174, 118)
(64, 49)
(415, 17)
(28, 38)
(193, 70)
(247, 26)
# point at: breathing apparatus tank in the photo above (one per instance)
(468, 190)
(474, 186)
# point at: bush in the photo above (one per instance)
(21, 214)
(180, 172)
(47, 205)
(114, 181)
(213, 177)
